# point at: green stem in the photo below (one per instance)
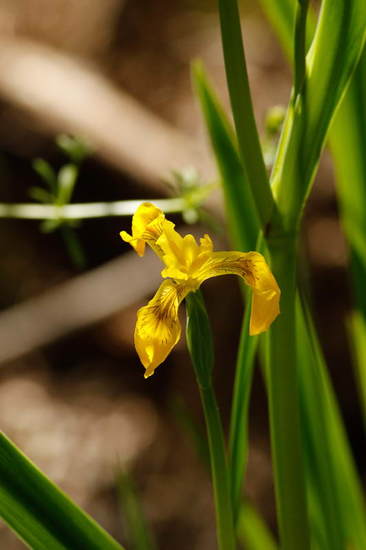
(78, 211)
(200, 345)
(220, 478)
(241, 104)
(284, 405)
(239, 410)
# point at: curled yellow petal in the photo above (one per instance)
(253, 268)
(158, 328)
(266, 294)
(147, 226)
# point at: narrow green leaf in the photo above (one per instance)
(41, 195)
(46, 172)
(330, 464)
(348, 142)
(39, 513)
(66, 180)
(73, 147)
(240, 410)
(348, 145)
(357, 329)
(281, 15)
(253, 533)
(50, 225)
(330, 62)
(238, 195)
(246, 130)
(73, 246)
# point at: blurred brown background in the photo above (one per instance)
(72, 393)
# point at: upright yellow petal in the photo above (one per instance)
(158, 327)
(253, 268)
(147, 226)
(182, 255)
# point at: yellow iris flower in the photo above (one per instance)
(187, 265)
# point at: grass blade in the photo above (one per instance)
(330, 64)
(238, 195)
(357, 330)
(330, 463)
(241, 104)
(281, 15)
(39, 513)
(253, 533)
(348, 145)
(238, 442)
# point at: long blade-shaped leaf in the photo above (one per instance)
(240, 207)
(348, 143)
(357, 330)
(331, 469)
(252, 530)
(281, 15)
(240, 410)
(39, 513)
(246, 130)
(331, 60)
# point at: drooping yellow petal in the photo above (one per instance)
(266, 295)
(147, 226)
(253, 268)
(158, 328)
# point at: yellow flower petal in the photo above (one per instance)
(187, 265)
(182, 255)
(147, 226)
(158, 327)
(253, 268)
(266, 295)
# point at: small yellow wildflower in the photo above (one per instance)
(187, 265)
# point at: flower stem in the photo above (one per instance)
(200, 345)
(220, 478)
(284, 405)
(239, 411)
(79, 211)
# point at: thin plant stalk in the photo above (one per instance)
(79, 211)
(200, 345)
(284, 406)
(238, 441)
